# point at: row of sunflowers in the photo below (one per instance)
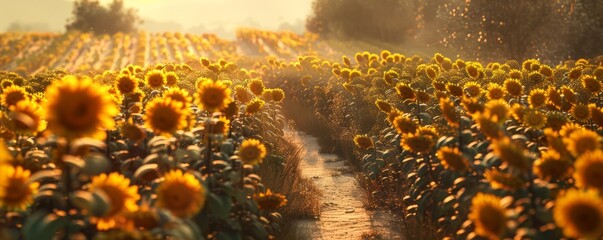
(464, 150)
(139, 153)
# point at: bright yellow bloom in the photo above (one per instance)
(580, 214)
(488, 216)
(122, 197)
(181, 194)
(213, 96)
(252, 152)
(16, 192)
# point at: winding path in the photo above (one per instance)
(342, 212)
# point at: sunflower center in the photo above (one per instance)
(492, 219)
(178, 197)
(585, 218)
(16, 192)
(116, 197)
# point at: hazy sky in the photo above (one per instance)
(165, 15)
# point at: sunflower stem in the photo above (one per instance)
(66, 174)
(208, 152)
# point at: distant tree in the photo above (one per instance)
(384, 20)
(585, 29)
(505, 29)
(91, 16)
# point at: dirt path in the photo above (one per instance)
(343, 215)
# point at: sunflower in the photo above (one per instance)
(533, 118)
(144, 218)
(181, 194)
(488, 216)
(421, 141)
(575, 73)
(122, 197)
(454, 90)
(132, 132)
(440, 86)
(392, 115)
(404, 125)
(449, 111)
(580, 214)
(596, 114)
(405, 91)
(473, 71)
(501, 180)
(16, 192)
(422, 96)
(451, 158)
(472, 105)
(79, 108)
(252, 152)
(179, 95)
(126, 84)
(270, 201)
(137, 96)
(473, 89)
(241, 94)
(569, 128)
(488, 125)
(13, 94)
(510, 153)
(537, 98)
(254, 106)
(363, 142)
(220, 126)
(213, 96)
(550, 166)
(27, 117)
(513, 87)
(498, 109)
(582, 141)
(278, 95)
(556, 120)
(256, 86)
(580, 112)
(589, 167)
(554, 97)
(165, 116)
(568, 94)
(495, 91)
(535, 78)
(515, 74)
(171, 79)
(155, 78)
(383, 106)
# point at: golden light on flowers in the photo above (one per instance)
(13, 94)
(363, 142)
(453, 159)
(473, 89)
(554, 97)
(219, 126)
(126, 84)
(181, 194)
(488, 216)
(449, 111)
(569, 128)
(252, 152)
(510, 153)
(213, 96)
(270, 201)
(575, 73)
(405, 91)
(550, 166)
(254, 106)
(535, 78)
(27, 117)
(16, 192)
(589, 167)
(515, 74)
(256, 86)
(568, 94)
(495, 91)
(165, 116)
(122, 197)
(513, 87)
(582, 141)
(132, 132)
(580, 214)
(472, 105)
(422, 96)
(580, 112)
(537, 98)
(155, 78)
(472, 71)
(596, 114)
(534, 118)
(171, 79)
(79, 108)
(498, 109)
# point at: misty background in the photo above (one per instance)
(221, 17)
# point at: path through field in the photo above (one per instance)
(342, 212)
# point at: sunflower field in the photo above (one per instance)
(169, 136)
